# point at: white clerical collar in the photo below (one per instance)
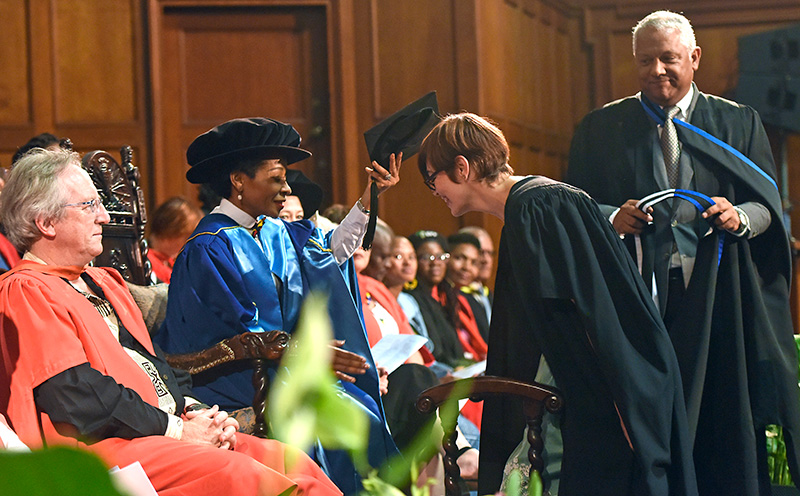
(239, 216)
(33, 258)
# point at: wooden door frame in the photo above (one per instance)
(341, 87)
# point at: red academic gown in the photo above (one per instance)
(161, 264)
(376, 289)
(468, 333)
(46, 327)
(371, 288)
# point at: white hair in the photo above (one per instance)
(664, 20)
(33, 189)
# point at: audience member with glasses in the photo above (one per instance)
(431, 250)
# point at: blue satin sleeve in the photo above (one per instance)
(209, 299)
(221, 286)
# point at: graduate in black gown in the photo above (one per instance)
(567, 290)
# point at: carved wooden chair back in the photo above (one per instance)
(124, 245)
(536, 398)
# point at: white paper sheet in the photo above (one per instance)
(470, 371)
(394, 349)
(132, 480)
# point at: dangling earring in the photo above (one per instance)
(239, 197)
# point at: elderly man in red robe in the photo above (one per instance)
(78, 366)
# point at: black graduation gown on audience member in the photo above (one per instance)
(446, 346)
(566, 288)
(479, 312)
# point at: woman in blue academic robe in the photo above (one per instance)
(245, 270)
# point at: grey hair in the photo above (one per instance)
(664, 20)
(476, 231)
(33, 190)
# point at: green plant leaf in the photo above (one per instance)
(375, 486)
(514, 483)
(306, 402)
(536, 487)
(54, 472)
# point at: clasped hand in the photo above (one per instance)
(211, 426)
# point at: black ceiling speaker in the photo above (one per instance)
(769, 75)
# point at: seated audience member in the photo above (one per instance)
(401, 273)
(335, 213)
(170, 226)
(304, 201)
(431, 251)
(46, 141)
(245, 270)
(79, 366)
(208, 198)
(292, 209)
(462, 270)
(479, 289)
(379, 252)
(9, 257)
(382, 314)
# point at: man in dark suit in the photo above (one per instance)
(718, 265)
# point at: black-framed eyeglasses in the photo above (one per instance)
(429, 181)
(432, 258)
(93, 205)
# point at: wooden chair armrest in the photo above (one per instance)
(477, 388)
(268, 346)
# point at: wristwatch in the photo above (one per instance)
(744, 223)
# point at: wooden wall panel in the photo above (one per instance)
(15, 90)
(526, 49)
(401, 68)
(94, 62)
(498, 70)
(222, 61)
(74, 69)
(245, 60)
(413, 49)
